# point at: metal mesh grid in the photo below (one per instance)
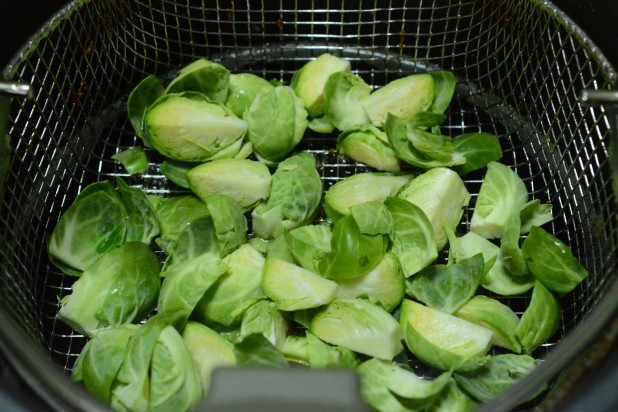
(520, 70)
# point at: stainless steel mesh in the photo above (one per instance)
(520, 68)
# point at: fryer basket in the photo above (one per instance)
(520, 65)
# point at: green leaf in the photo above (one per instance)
(447, 287)
(540, 320)
(142, 96)
(479, 149)
(552, 262)
(257, 350)
(142, 222)
(413, 240)
(496, 376)
(353, 254)
(133, 159)
(176, 171)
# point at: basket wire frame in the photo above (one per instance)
(520, 69)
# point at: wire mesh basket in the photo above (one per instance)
(520, 67)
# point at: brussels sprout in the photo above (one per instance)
(373, 218)
(540, 320)
(496, 376)
(321, 125)
(496, 278)
(185, 284)
(203, 76)
(264, 317)
(94, 224)
(147, 91)
(295, 350)
(243, 89)
(142, 224)
(353, 254)
(308, 244)
(208, 349)
(402, 97)
(493, 315)
(414, 145)
(131, 390)
(552, 262)
(413, 240)
(295, 197)
(502, 194)
(360, 326)
(293, 288)
(175, 214)
(360, 188)
(444, 89)
(175, 383)
(385, 284)
(276, 122)
(120, 287)
(442, 340)
(238, 285)
(100, 360)
(534, 213)
(343, 94)
(323, 355)
(229, 222)
(442, 195)
(189, 127)
(245, 181)
(133, 159)
(453, 399)
(256, 350)
(310, 80)
(416, 391)
(447, 287)
(278, 248)
(369, 145)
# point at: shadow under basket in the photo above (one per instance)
(520, 67)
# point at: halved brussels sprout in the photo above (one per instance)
(442, 340)
(502, 194)
(208, 349)
(189, 127)
(246, 181)
(493, 315)
(292, 287)
(309, 81)
(243, 89)
(147, 91)
(442, 195)
(361, 188)
(369, 145)
(203, 76)
(360, 326)
(385, 284)
(401, 97)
